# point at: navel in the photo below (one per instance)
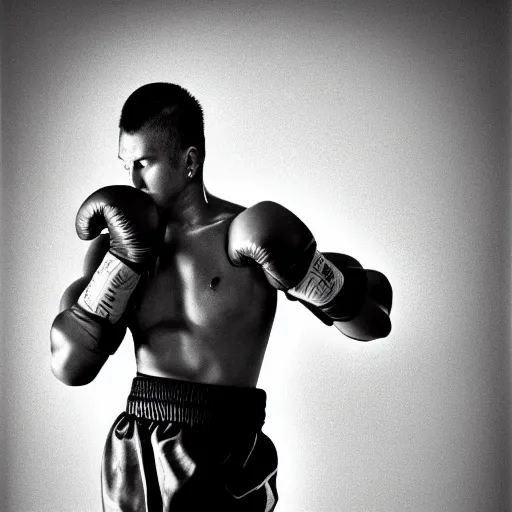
(214, 282)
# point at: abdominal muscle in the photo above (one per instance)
(198, 357)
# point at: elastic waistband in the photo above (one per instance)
(160, 399)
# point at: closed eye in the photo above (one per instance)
(138, 164)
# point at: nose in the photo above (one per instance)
(135, 176)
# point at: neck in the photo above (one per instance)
(192, 208)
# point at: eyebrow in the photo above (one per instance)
(145, 157)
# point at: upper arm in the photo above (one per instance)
(94, 256)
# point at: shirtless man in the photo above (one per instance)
(195, 279)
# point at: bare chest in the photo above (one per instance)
(194, 285)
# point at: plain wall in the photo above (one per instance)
(383, 125)
(3, 410)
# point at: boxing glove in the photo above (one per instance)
(273, 237)
(133, 224)
(94, 320)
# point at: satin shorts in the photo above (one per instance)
(183, 446)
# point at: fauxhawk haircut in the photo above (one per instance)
(166, 106)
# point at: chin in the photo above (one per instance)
(153, 196)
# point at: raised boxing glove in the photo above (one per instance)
(279, 241)
(133, 224)
(273, 237)
(134, 228)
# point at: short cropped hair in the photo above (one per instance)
(166, 106)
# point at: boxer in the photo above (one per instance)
(195, 279)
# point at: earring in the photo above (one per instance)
(190, 174)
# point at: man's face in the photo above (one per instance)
(148, 156)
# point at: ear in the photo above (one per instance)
(192, 161)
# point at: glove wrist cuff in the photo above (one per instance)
(110, 289)
(322, 282)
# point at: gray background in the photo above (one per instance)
(383, 125)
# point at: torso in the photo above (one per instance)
(200, 318)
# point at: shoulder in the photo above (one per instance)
(263, 211)
(266, 212)
(264, 207)
(225, 211)
(224, 207)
